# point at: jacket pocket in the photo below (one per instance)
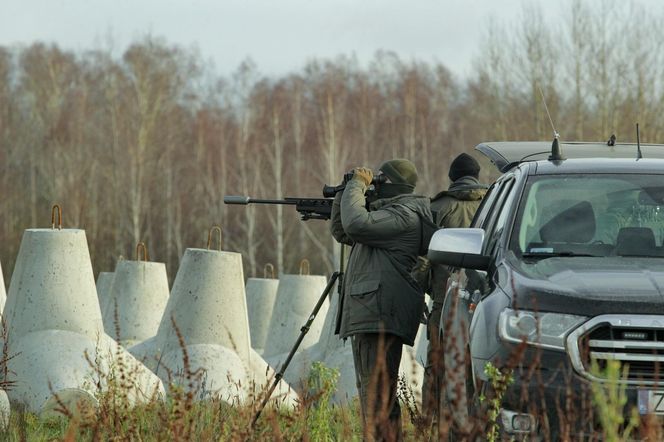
(364, 302)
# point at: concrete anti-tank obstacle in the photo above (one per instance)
(412, 369)
(261, 295)
(148, 352)
(52, 287)
(51, 367)
(104, 289)
(3, 293)
(207, 303)
(208, 306)
(139, 294)
(296, 297)
(53, 319)
(263, 376)
(337, 354)
(421, 341)
(298, 370)
(214, 372)
(5, 410)
(333, 352)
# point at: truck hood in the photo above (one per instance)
(587, 285)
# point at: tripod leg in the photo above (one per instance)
(303, 331)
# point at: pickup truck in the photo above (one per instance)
(560, 273)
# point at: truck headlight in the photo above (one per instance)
(546, 330)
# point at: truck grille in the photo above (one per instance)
(635, 340)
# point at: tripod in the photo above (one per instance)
(303, 331)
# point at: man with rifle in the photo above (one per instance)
(381, 304)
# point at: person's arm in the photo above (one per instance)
(375, 228)
(336, 228)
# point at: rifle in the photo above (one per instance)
(309, 208)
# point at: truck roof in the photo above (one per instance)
(588, 166)
(507, 154)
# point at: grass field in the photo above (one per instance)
(180, 417)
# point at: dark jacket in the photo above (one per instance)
(379, 294)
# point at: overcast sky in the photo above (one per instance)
(279, 35)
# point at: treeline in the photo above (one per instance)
(143, 147)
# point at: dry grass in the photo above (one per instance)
(181, 418)
(599, 413)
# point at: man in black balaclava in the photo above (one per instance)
(455, 208)
(381, 305)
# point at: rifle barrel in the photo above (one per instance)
(244, 200)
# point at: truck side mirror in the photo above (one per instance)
(458, 248)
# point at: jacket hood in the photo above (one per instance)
(467, 188)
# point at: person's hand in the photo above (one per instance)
(363, 174)
(422, 264)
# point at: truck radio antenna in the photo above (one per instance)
(546, 108)
(556, 150)
(639, 155)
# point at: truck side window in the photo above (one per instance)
(485, 206)
(496, 222)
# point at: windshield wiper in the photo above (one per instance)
(563, 254)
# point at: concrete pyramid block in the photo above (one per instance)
(341, 359)
(338, 354)
(148, 352)
(296, 297)
(53, 362)
(297, 372)
(261, 296)
(104, 290)
(261, 375)
(208, 306)
(3, 293)
(421, 340)
(412, 368)
(54, 319)
(298, 369)
(212, 372)
(216, 372)
(53, 287)
(140, 295)
(421, 344)
(5, 410)
(207, 303)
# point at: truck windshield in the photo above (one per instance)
(591, 215)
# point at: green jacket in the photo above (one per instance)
(453, 208)
(456, 206)
(378, 293)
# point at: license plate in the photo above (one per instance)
(651, 401)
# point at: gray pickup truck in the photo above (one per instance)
(561, 272)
